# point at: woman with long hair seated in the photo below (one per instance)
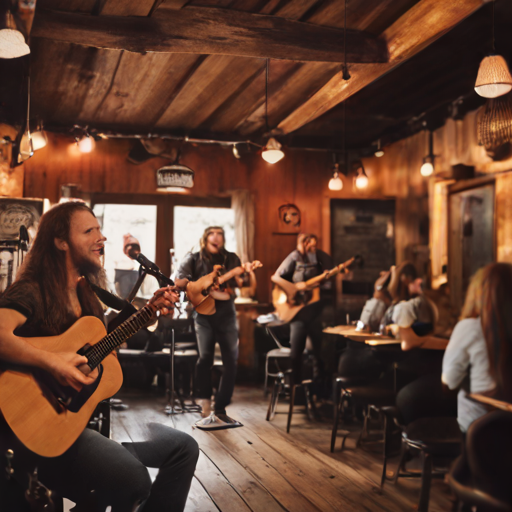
(478, 358)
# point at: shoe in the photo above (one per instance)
(206, 406)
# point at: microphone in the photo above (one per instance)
(151, 268)
(24, 239)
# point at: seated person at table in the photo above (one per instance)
(359, 359)
(478, 358)
(412, 316)
(374, 308)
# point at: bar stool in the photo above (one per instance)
(279, 386)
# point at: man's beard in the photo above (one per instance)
(95, 274)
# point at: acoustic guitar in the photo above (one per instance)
(288, 300)
(203, 293)
(48, 417)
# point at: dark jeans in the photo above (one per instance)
(218, 328)
(97, 472)
(307, 323)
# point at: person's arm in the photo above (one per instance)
(411, 340)
(186, 268)
(456, 360)
(13, 349)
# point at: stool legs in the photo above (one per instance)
(276, 389)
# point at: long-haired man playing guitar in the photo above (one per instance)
(49, 295)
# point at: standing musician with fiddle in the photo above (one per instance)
(304, 263)
(220, 327)
(49, 295)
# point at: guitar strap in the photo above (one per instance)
(125, 308)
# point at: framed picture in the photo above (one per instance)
(289, 219)
(17, 212)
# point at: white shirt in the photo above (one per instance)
(466, 355)
(408, 312)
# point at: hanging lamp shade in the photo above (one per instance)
(335, 182)
(272, 153)
(493, 78)
(12, 42)
(495, 124)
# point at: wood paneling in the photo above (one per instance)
(504, 217)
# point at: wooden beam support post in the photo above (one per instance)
(427, 21)
(211, 31)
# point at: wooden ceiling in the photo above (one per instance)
(197, 68)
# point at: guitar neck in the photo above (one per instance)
(230, 274)
(118, 336)
(318, 280)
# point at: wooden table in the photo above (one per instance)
(498, 404)
(370, 338)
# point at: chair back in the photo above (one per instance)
(489, 454)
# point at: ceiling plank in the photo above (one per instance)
(211, 31)
(127, 7)
(417, 28)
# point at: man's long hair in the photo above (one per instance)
(45, 265)
(204, 253)
(497, 325)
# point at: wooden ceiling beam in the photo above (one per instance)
(417, 28)
(211, 31)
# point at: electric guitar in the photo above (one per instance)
(48, 417)
(288, 300)
(203, 293)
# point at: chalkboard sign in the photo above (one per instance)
(366, 227)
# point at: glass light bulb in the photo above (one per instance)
(272, 151)
(39, 140)
(86, 145)
(379, 153)
(362, 181)
(335, 182)
(427, 169)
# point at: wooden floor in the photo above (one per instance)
(260, 467)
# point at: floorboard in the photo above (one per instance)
(261, 468)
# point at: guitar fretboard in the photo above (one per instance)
(102, 349)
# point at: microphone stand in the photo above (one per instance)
(174, 404)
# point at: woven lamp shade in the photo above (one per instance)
(495, 125)
(493, 78)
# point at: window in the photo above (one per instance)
(190, 223)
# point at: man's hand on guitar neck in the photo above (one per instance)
(164, 299)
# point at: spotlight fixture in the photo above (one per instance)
(427, 168)
(335, 182)
(12, 42)
(86, 144)
(236, 153)
(39, 139)
(361, 180)
(272, 152)
(380, 151)
(493, 77)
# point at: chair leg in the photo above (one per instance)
(426, 479)
(290, 410)
(403, 453)
(274, 397)
(387, 442)
(364, 430)
(337, 412)
(265, 389)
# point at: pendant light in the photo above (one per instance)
(26, 145)
(494, 77)
(12, 42)
(361, 180)
(495, 124)
(272, 152)
(427, 168)
(335, 182)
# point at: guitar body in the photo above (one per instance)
(32, 417)
(288, 303)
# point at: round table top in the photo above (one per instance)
(370, 338)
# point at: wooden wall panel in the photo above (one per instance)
(503, 216)
(300, 178)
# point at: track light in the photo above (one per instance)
(335, 182)
(379, 152)
(272, 153)
(236, 153)
(86, 144)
